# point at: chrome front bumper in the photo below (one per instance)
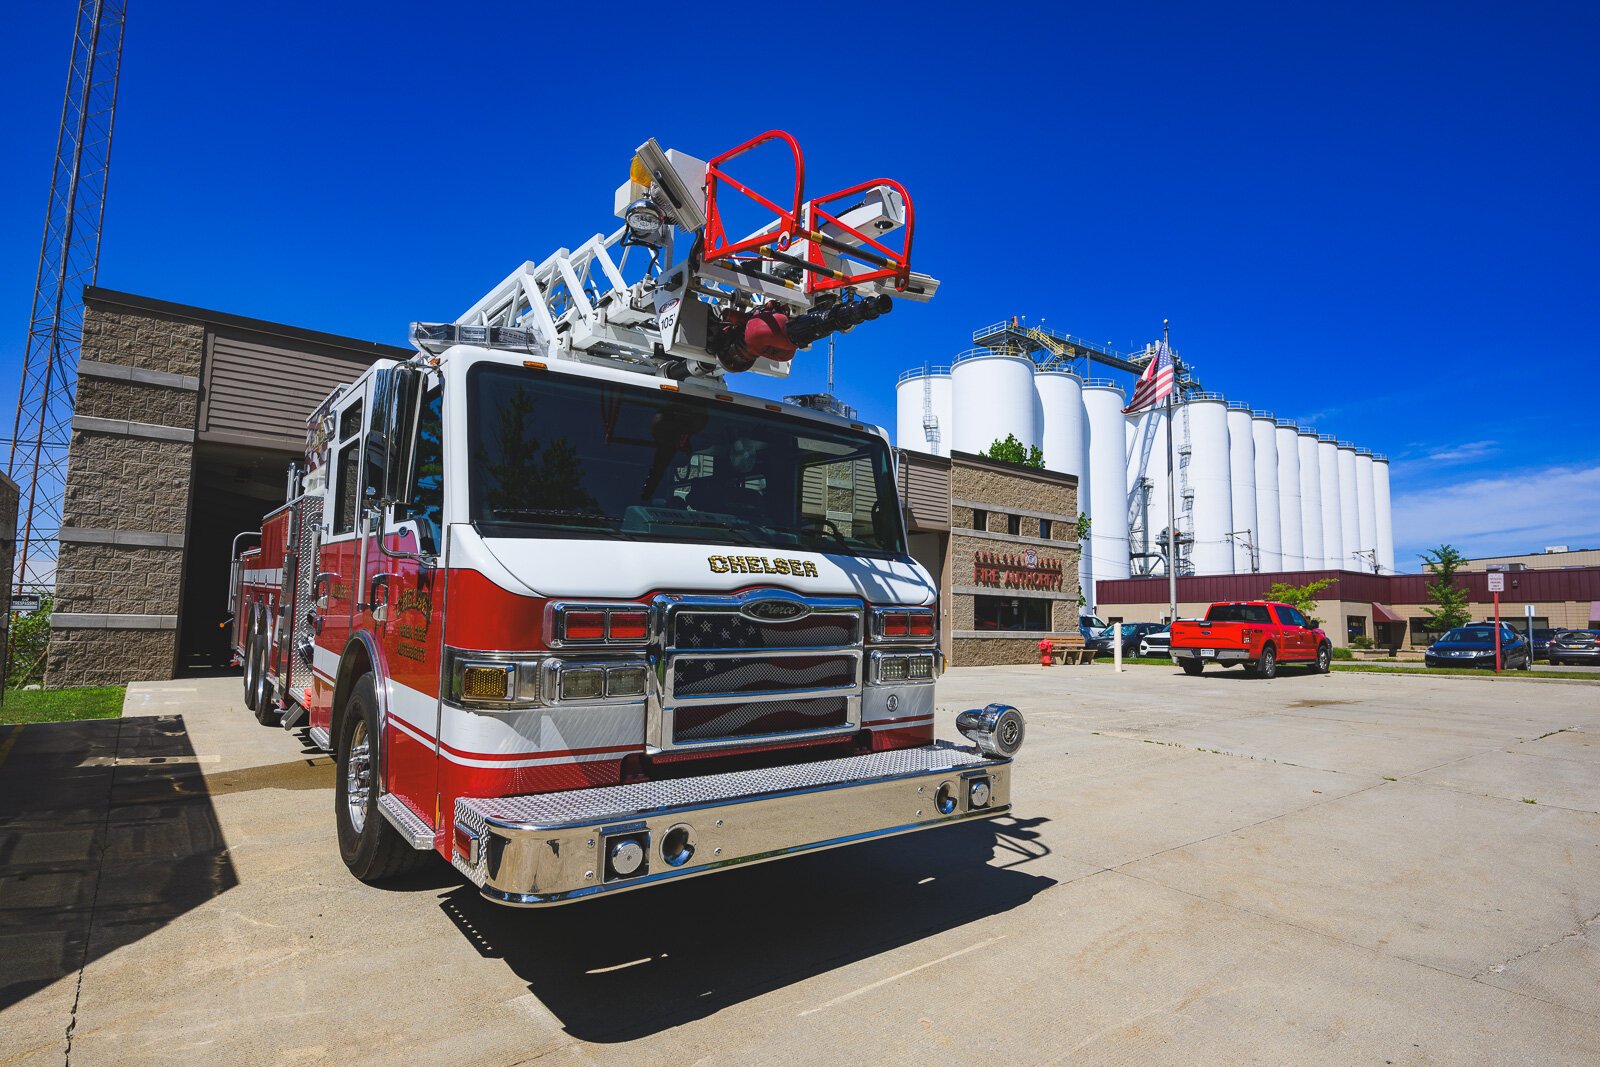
(552, 848)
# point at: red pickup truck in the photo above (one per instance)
(1260, 634)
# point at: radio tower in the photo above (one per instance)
(69, 259)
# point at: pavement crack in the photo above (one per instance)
(1581, 931)
(94, 901)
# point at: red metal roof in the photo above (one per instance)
(1531, 586)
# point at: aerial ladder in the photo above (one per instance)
(670, 290)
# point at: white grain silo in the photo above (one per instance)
(1385, 513)
(1147, 489)
(1242, 487)
(991, 397)
(1311, 501)
(1349, 513)
(1332, 527)
(1063, 434)
(1290, 523)
(1208, 471)
(1108, 472)
(1264, 435)
(1366, 509)
(922, 410)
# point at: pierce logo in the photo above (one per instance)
(775, 610)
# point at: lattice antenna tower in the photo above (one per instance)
(69, 259)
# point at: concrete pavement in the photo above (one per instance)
(1355, 867)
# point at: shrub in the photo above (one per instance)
(1362, 641)
(1343, 653)
(30, 634)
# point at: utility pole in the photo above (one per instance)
(1172, 506)
(69, 259)
(1246, 538)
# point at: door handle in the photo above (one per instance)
(379, 609)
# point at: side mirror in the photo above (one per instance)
(392, 431)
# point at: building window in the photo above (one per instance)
(1423, 632)
(1014, 525)
(1011, 613)
(1520, 623)
(1355, 626)
(1044, 529)
(980, 519)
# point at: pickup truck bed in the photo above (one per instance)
(1258, 634)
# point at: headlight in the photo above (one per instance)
(896, 668)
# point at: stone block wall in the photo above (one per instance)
(130, 467)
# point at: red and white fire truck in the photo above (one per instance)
(573, 613)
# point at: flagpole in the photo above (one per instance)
(1172, 512)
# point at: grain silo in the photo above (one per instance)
(1209, 464)
(1290, 528)
(1366, 509)
(1385, 513)
(1264, 434)
(992, 397)
(1311, 500)
(1062, 432)
(1349, 513)
(1108, 471)
(1242, 488)
(922, 410)
(1332, 527)
(1146, 483)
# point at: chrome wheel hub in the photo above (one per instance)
(358, 777)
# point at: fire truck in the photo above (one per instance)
(575, 614)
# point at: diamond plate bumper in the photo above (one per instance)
(553, 848)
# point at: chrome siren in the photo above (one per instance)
(997, 730)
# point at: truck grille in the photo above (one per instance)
(729, 630)
(711, 677)
(728, 675)
(707, 722)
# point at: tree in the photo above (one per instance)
(1302, 598)
(1012, 450)
(30, 638)
(1451, 599)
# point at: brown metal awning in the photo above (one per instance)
(1384, 613)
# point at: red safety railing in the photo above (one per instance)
(885, 261)
(717, 245)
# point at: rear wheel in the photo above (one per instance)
(370, 847)
(1267, 665)
(1192, 666)
(265, 706)
(249, 657)
(1324, 659)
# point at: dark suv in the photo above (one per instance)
(1105, 640)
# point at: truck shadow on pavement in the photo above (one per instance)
(621, 968)
(107, 833)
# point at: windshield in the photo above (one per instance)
(558, 456)
(1469, 633)
(1094, 622)
(1237, 613)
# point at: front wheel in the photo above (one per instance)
(1324, 659)
(1527, 663)
(372, 849)
(1192, 666)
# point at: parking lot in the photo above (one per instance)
(1354, 868)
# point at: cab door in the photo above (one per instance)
(406, 595)
(1297, 642)
(336, 585)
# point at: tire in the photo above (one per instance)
(265, 706)
(1267, 665)
(372, 849)
(1324, 659)
(250, 663)
(1527, 662)
(1192, 667)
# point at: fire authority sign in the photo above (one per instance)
(1497, 582)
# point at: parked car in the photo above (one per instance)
(1156, 644)
(1541, 641)
(1089, 626)
(1473, 646)
(1575, 646)
(1255, 634)
(1129, 633)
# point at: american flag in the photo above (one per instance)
(1155, 383)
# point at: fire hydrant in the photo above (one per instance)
(1045, 647)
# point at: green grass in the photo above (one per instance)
(61, 705)
(1469, 672)
(1144, 661)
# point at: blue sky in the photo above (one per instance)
(1381, 221)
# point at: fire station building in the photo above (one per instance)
(1002, 540)
(184, 426)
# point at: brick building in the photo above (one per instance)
(185, 422)
(1002, 539)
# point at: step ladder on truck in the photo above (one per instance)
(579, 616)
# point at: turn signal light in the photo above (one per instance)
(896, 625)
(585, 626)
(921, 625)
(629, 625)
(484, 683)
